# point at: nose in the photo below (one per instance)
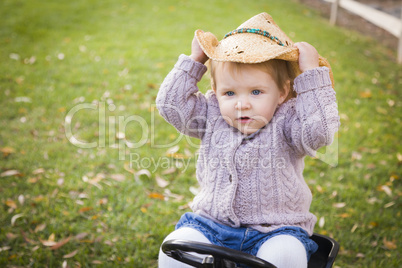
(243, 104)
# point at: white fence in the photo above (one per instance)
(383, 20)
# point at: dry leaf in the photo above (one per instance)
(47, 243)
(173, 150)
(385, 189)
(339, 205)
(156, 196)
(11, 236)
(102, 201)
(161, 182)
(7, 151)
(366, 94)
(60, 244)
(143, 172)
(38, 171)
(81, 236)
(169, 171)
(26, 238)
(390, 204)
(128, 168)
(71, 254)
(321, 222)
(11, 204)
(21, 199)
(15, 217)
(40, 227)
(85, 209)
(194, 190)
(118, 177)
(9, 173)
(389, 244)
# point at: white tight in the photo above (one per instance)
(185, 233)
(283, 251)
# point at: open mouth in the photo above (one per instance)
(244, 119)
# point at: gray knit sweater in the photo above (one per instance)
(257, 180)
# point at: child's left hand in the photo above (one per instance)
(308, 56)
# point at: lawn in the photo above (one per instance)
(91, 175)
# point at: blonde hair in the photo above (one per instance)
(278, 69)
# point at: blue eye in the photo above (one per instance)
(256, 92)
(229, 93)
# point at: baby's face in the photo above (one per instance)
(247, 98)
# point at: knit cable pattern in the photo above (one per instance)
(256, 182)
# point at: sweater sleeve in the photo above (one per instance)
(179, 101)
(314, 119)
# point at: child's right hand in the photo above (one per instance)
(196, 52)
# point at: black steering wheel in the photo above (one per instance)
(216, 256)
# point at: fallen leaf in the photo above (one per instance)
(143, 172)
(9, 173)
(102, 201)
(339, 205)
(40, 227)
(4, 248)
(118, 177)
(26, 238)
(85, 209)
(161, 182)
(11, 204)
(366, 94)
(7, 151)
(81, 236)
(156, 196)
(60, 244)
(128, 168)
(389, 244)
(21, 199)
(321, 222)
(194, 190)
(11, 236)
(385, 189)
(390, 204)
(169, 171)
(173, 150)
(71, 254)
(47, 243)
(38, 171)
(15, 217)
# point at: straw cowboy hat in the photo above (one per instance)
(257, 40)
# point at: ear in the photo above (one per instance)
(284, 92)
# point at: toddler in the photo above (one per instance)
(271, 104)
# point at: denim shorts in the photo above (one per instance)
(244, 239)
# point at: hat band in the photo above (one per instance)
(255, 31)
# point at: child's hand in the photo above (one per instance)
(308, 56)
(196, 52)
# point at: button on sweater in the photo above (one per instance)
(255, 181)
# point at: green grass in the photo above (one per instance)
(110, 58)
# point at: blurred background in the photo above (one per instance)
(91, 175)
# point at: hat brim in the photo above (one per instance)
(252, 49)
